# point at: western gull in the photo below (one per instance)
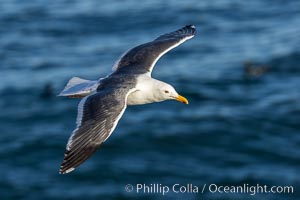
(104, 101)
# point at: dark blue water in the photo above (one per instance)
(239, 128)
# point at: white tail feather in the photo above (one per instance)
(79, 87)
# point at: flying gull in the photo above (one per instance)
(105, 100)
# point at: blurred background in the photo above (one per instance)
(240, 74)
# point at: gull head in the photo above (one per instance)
(167, 92)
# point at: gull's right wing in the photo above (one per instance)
(141, 59)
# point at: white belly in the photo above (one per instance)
(145, 91)
(139, 97)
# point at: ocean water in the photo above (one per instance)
(241, 127)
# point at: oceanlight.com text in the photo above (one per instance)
(190, 188)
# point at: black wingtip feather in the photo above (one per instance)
(191, 28)
(70, 161)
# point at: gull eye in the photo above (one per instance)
(166, 92)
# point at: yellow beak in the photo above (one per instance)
(182, 99)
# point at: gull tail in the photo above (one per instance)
(79, 88)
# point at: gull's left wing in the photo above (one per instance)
(98, 116)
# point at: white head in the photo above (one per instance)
(165, 91)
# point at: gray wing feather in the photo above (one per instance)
(99, 115)
(141, 59)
